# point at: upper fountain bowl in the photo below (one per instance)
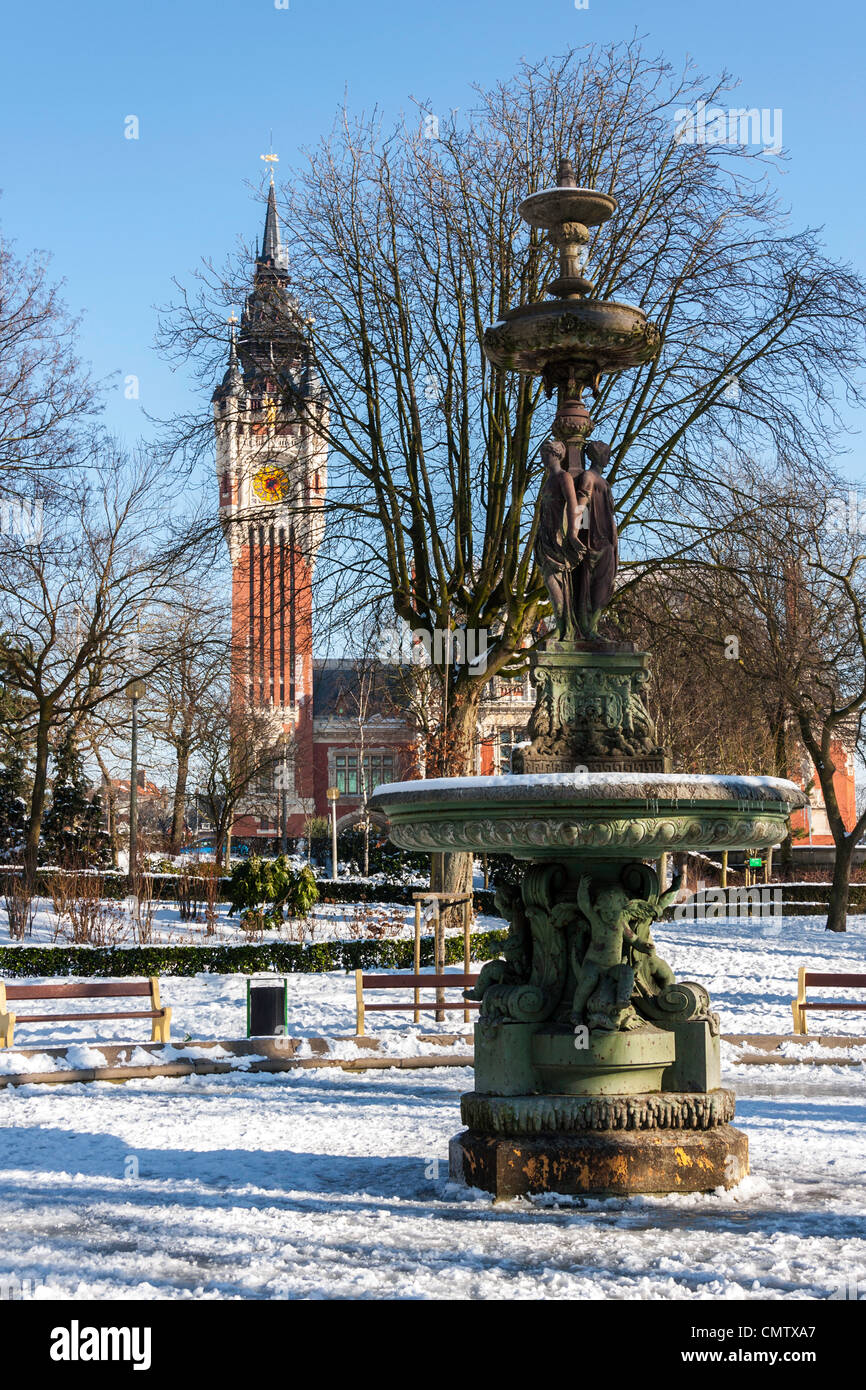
(551, 206)
(596, 815)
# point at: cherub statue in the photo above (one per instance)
(653, 973)
(516, 948)
(606, 966)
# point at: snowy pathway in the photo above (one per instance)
(313, 1185)
(325, 1184)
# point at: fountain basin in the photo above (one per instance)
(611, 1063)
(595, 815)
(600, 333)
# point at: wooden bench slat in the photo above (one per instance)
(417, 981)
(807, 979)
(430, 1008)
(820, 1004)
(108, 989)
(73, 1018)
(843, 981)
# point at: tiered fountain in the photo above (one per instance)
(596, 1071)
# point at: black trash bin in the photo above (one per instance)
(267, 1008)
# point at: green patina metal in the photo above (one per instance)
(590, 712)
(586, 818)
(596, 1070)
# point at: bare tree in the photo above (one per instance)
(407, 247)
(237, 745)
(708, 717)
(788, 601)
(72, 600)
(191, 634)
(406, 243)
(45, 393)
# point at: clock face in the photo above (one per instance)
(271, 483)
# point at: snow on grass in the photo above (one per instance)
(327, 922)
(749, 966)
(215, 1006)
(325, 1184)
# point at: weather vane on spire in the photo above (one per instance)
(270, 159)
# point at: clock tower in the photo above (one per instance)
(270, 419)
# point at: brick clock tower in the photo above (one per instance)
(270, 415)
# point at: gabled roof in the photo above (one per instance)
(341, 686)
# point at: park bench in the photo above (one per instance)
(416, 983)
(103, 989)
(807, 979)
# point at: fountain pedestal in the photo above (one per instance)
(600, 1163)
(590, 712)
(595, 1115)
(568, 1109)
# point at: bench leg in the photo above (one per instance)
(359, 1003)
(161, 1030)
(799, 1013)
(7, 1029)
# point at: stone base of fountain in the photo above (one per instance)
(600, 1163)
(604, 1113)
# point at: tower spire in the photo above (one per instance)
(233, 381)
(271, 249)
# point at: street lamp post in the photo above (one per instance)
(284, 806)
(134, 692)
(332, 794)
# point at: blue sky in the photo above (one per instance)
(209, 79)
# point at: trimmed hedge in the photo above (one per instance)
(345, 891)
(820, 893)
(287, 957)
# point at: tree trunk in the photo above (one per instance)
(111, 806)
(42, 752)
(179, 809)
(780, 758)
(843, 841)
(837, 913)
(110, 802)
(452, 873)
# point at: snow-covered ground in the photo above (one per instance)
(749, 966)
(323, 1184)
